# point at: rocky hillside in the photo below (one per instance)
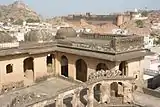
(154, 16)
(17, 10)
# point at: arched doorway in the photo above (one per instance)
(123, 67)
(81, 70)
(83, 96)
(64, 66)
(49, 62)
(28, 66)
(117, 92)
(101, 66)
(97, 92)
(117, 89)
(67, 100)
(114, 89)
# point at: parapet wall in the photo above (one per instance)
(105, 43)
(9, 45)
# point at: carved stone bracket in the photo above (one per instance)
(103, 73)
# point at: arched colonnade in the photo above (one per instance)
(85, 95)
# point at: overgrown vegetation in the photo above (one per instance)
(139, 23)
(31, 36)
(38, 35)
(18, 22)
(5, 37)
(144, 13)
(32, 21)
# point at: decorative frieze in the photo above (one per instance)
(103, 73)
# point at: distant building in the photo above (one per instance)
(148, 42)
(152, 62)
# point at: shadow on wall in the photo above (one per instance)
(154, 83)
(151, 92)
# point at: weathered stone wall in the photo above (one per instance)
(135, 69)
(11, 86)
(11, 80)
(40, 66)
(123, 44)
(17, 74)
(117, 43)
(91, 64)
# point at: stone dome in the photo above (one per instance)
(5, 37)
(38, 35)
(64, 32)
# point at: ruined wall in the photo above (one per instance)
(13, 79)
(16, 78)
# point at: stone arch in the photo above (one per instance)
(97, 92)
(123, 67)
(9, 68)
(114, 89)
(28, 65)
(117, 89)
(101, 66)
(50, 62)
(64, 66)
(83, 96)
(120, 89)
(81, 70)
(67, 100)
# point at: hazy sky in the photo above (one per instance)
(63, 7)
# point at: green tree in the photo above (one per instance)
(31, 37)
(144, 13)
(18, 22)
(5, 37)
(139, 23)
(32, 20)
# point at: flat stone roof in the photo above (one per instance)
(61, 47)
(35, 93)
(109, 47)
(117, 57)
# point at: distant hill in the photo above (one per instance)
(17, 10)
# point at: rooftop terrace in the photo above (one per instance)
(104, 43)
(95, 45)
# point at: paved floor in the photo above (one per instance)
(33, 93)
(146, 100)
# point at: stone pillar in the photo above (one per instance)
(57, 70)
(40, 68)
(127, 95)
(90, 94)
(53, 64)
(59, 101)
(116, 66)
(105, 93)
(76, 99)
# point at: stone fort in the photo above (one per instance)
(103, 69)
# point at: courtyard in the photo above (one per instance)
(28, 95)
